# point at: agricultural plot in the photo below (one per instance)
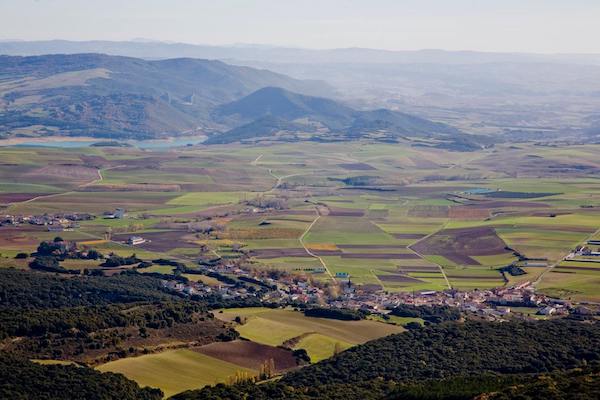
(388, 215)
(461, 245)
(175, 371)
(318, 336)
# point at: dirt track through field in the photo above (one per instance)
(310, 253)
(554, 265)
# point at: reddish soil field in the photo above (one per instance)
(371, 287)
(357, 167)
(249, 354)
(565, 228)
(419, 269)
(461, 259)
(133, 187)
(381, 256)
(398, 278)
(95, 161)
(368, 246)
(458, 245)
(6, 198)
(67, 171)
(291, 252)
(11, 236)
(408, 235)
(476, 277)
(571, 267)
(429, 211)
(467, 212)
(299, 212)
(342, 212)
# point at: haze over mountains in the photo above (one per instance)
(93, 94)
(516, 94)
(274, 109)
(265, 53)
(123, 97)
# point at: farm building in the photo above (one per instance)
(119, 213)
(135, 240)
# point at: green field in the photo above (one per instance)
(366, 232)
(174, 371)
(316, 335)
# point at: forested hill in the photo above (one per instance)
(446, 361)
(470, 348)
(21, 379)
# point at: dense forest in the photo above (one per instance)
(95, 318)
(450, 360)
(334, 313)
(428, 313)
(30, 290)
(21, 379)
(472, 347)
(579, 384)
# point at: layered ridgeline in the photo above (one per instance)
(100, 95)
(128, 98)
(447, 361)
(277, 114)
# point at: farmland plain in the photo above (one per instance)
(396, 217)
(391, 218)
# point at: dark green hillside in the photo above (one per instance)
(448, 361)
(21, 379)
(470, 348)
(31, 290)
(96, 318)
(580, 384)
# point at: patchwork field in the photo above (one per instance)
(394, 217)
(318, 336)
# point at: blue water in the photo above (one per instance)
(141, 144)
(479, 191)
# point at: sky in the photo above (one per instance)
(542, 26)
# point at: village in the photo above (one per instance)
(491, 304)
(302, 287)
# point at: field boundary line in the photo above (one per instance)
(255, 162)
(377, 279)
(420, 255)
(561, 259)
(310, 253)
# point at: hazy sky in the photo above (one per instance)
(547, 26)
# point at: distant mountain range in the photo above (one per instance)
(123, 97)
(273, 109)
(150, 49)
(512, 94)
(100, 95)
